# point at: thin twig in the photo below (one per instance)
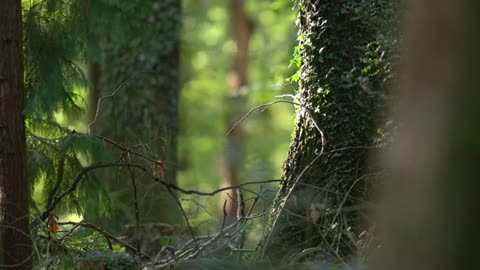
(304, 253)
(106, 234)
(263, 107)
(69, 232)
(60, 170)
(135, 205)
(340, 206)
(240, 216)
(211, 193)
(77, 180)
(290, 192)
(99, 102)
(352, 148)
(224, 215)
(119, 146)
(190, 230)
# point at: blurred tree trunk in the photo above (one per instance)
(339, 99)
(428, 219)
(14, 198)
(241, 29)
(143, 115)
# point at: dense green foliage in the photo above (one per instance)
(63, 37)
(52, 41)
(55, 34)
(107, 202)
(344, 61)
(52, 44)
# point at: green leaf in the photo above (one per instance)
(119, 248)
(164, 241)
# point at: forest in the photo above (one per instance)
(239, 134)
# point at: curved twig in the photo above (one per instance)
(263, 107)
(99, 102)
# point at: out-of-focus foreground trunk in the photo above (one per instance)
(428, 217)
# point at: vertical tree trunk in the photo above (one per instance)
(16, 244)
(143, 115)
(429, 219)
(326, 165)
(241, 29)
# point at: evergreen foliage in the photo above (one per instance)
(345, 63)
(57, 40)
(53, 41)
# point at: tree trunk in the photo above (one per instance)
(16, 244)
(241, 29)
(428, 220)
(143, 114)
(326, 168)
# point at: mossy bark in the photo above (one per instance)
(341, 97)
(143, 114)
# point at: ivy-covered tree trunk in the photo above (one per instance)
(15, 242)
(143, 64)
(343, 77)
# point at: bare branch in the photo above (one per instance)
(184, 215)
(106, 234)
(99, 102)
(135, 204)
(263, 107)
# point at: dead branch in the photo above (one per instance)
(107, 236)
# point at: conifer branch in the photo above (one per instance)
(56, 200)
(108, 236)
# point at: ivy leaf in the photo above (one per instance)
(164, 241)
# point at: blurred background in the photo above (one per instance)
(206, 111)
(229, 57)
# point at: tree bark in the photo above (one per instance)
(16, 244)
(143, 114)
(235, 148)
(428, 219)
(337, 110)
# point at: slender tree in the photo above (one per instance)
(241, 30)
(14, 198)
